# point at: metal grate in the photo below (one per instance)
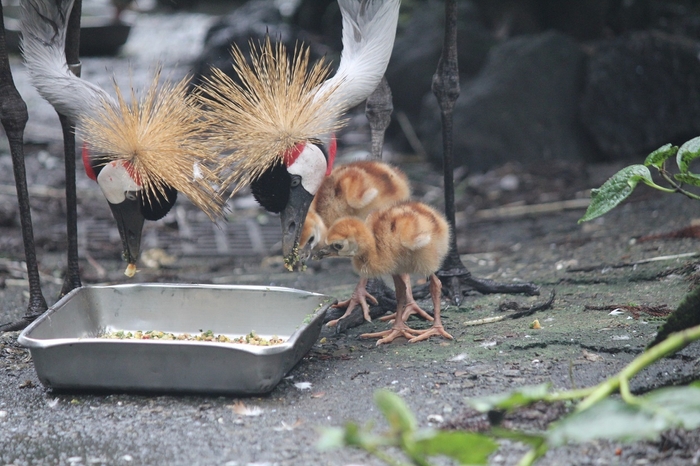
(243, 237)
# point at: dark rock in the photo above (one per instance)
(418, 48)
(593, 19)
(320, 17)
(642, 91)
(252, 22)
(522, 106)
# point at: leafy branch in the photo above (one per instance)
(596, 416)
(622, 184)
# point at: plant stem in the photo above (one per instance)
(533, 455)
(626, 393)
(570, 394)
(675, 342)
(385, 457)
(529, 458)
(676, 187)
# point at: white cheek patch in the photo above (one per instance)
(115, 181)
(311, 167)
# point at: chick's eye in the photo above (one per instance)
(337, 246)
(130, 195)
(311, 240)
(296, 181)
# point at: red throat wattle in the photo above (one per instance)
(293, 153)
(331, 154)
(132, 172)
(87, 164)
(90, 171)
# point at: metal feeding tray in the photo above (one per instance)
(69, 353)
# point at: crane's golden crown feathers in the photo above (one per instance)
(277, 106)
(161, 135)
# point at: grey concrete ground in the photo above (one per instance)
(339, 375)
(40, 426)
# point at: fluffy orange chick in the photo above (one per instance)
(353, 190)
(407, 238)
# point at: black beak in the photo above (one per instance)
(293, 217)
(130, 223)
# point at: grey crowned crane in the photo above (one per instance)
(141, 153)
(279, 123)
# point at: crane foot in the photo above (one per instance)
(458, 281)
(20, 324)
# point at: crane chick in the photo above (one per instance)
(353, 190)
(409, 237)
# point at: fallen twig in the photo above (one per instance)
(530, 209)
(661, 310)
(620, 265)
(520, 311)
(692, 231)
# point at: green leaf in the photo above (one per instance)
(688, 152)
(510, 400)
(610, 419)
(688, 178)
(660, 155)
(465, 447)
(331, 438)
(683, 403)
(364, 437)
(616, 190)
(400, 418)
(613, 419)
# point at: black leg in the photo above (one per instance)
(446, 88)
(13, 113)
(72, 278)
(378, 110)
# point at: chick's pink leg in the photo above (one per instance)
(436, 328)
(359, 296)
(411, 306)
(399, 328)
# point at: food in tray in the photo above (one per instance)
(251, 338)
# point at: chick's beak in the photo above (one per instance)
(319, 254)
(305, 252)
(293, 217)
(130, 224)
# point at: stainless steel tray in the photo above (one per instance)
(68, 353)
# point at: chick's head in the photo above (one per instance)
(345, 238)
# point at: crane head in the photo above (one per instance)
(288, 188)
(130, 206)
